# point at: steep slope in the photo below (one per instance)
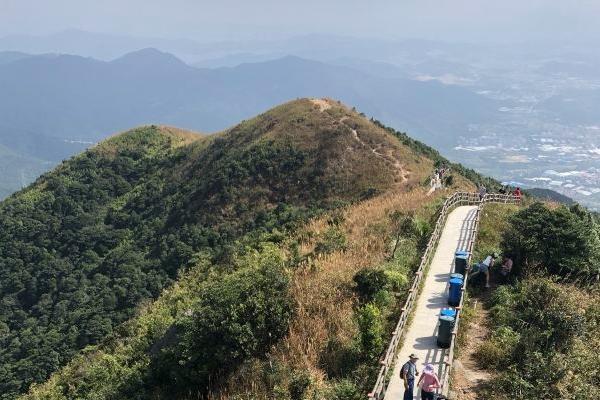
(90, 241)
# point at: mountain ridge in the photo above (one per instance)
(92, 97)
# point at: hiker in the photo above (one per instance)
(518, 193)
(482, 192)
(505, 268)
(408, 373)
(438, 182)
(486, 265)
(430, 381)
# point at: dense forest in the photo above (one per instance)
(86, 244)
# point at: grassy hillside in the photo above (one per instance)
(94, 242)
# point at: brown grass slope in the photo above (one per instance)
(342, 144)
(322, 288)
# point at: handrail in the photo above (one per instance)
(457, 199)
(488, 198)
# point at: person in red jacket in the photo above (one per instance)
(518, 193)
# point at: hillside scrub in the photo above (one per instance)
(190, 338)
(427, 151)
(543, 342)
(564, 241)
(348, 301)
(235, 317)
(110, 250)
(542, 328)
(111, 228)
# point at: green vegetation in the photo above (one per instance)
(235, 317)
(565, 241)
(543, 339)
(544, 342)
(381, 291)
(88, 244)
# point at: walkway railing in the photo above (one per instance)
(456, 200)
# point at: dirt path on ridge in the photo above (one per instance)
(387, 157)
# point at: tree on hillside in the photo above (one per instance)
(237, 316)
(565, 241)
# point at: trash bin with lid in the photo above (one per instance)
(461, 258)
(455, 292)
(446, 326)
(459, 276)
(448, 312)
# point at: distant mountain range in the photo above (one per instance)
(52, 106)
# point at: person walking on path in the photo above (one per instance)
(408, 373)
(430, 381)
(482, 192)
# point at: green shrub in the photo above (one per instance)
(346, 390)
(339, 359)
(371, 330)
(396, 280)
(299, 383)
(237, 316)
(449, 180)
(369, 281)
(498, 349)
(564, 241)
(332, 240)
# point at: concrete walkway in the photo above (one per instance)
(421, 335)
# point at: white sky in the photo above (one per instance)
(471, 20)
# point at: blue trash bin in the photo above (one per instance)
(455, 292)
(459, 276)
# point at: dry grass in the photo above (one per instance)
(183, 136)
(322, 289)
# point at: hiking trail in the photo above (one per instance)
(420, 335)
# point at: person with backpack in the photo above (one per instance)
(430, 381)
(408, 373)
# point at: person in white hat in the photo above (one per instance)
(431, 382)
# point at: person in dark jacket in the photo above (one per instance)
(408, 373)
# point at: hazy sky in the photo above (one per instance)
(472, 20)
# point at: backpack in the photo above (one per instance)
(405, 366)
